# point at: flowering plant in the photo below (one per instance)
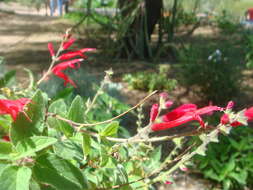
(48, 144)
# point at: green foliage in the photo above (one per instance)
(226, 23)
(151, 81)
(230, 162)
(6, 78)
(249, 55)
(24, 127)
(215, 79)
(15, 178)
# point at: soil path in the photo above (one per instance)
(24, 34)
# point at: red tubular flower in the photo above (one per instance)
(230, 105)
(70, 55)
(13, 107)
(154, 112)
(168, 182)
(168, 104)
(164, 95)
(249, 114)
(182, 116)
(224, 119)
(67, 44)
(181, 120)
(57, 70)
(51, 49)
(184, 169)
(87, 50)
(178, 112)
(207, 110)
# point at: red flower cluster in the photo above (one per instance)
(189, 112)
(248, 114)
(75, 63)
(57, 70)
(184, 114)
(13, 107)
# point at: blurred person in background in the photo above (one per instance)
(59, 4)
(249, 15)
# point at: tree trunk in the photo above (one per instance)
(173, 21)
(145, 14)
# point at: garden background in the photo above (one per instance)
(199, 52)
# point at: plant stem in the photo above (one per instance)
(80, 125)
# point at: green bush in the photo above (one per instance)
(151, 81)
(249, 55)
(231, 161)
(215, 79)
(226, 23)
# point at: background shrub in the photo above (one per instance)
(215, 78)
(148, 81)
(230, 162)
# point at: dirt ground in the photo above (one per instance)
(24, 34)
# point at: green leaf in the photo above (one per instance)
(5, 122)
(156, 154)
(5, 147)
(34, 185)
(76, 110)
(7, 78)
(111, 129)
(59, 173)
(240, 177)
(226, 184)
(63, 94)
(2, 167)
(23, 127)
(31, 145)
(15, 178)
(227, 168)
(69, 150)
(59, 107)
(30, 74)
(5, 150)
(122, 174)
(47, 187)
(86, 144)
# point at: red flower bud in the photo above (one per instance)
(67, 44)
(168, 182)
(154, 112)
(164, 95)
(168, 104)
(230, 105)
(51, 49)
